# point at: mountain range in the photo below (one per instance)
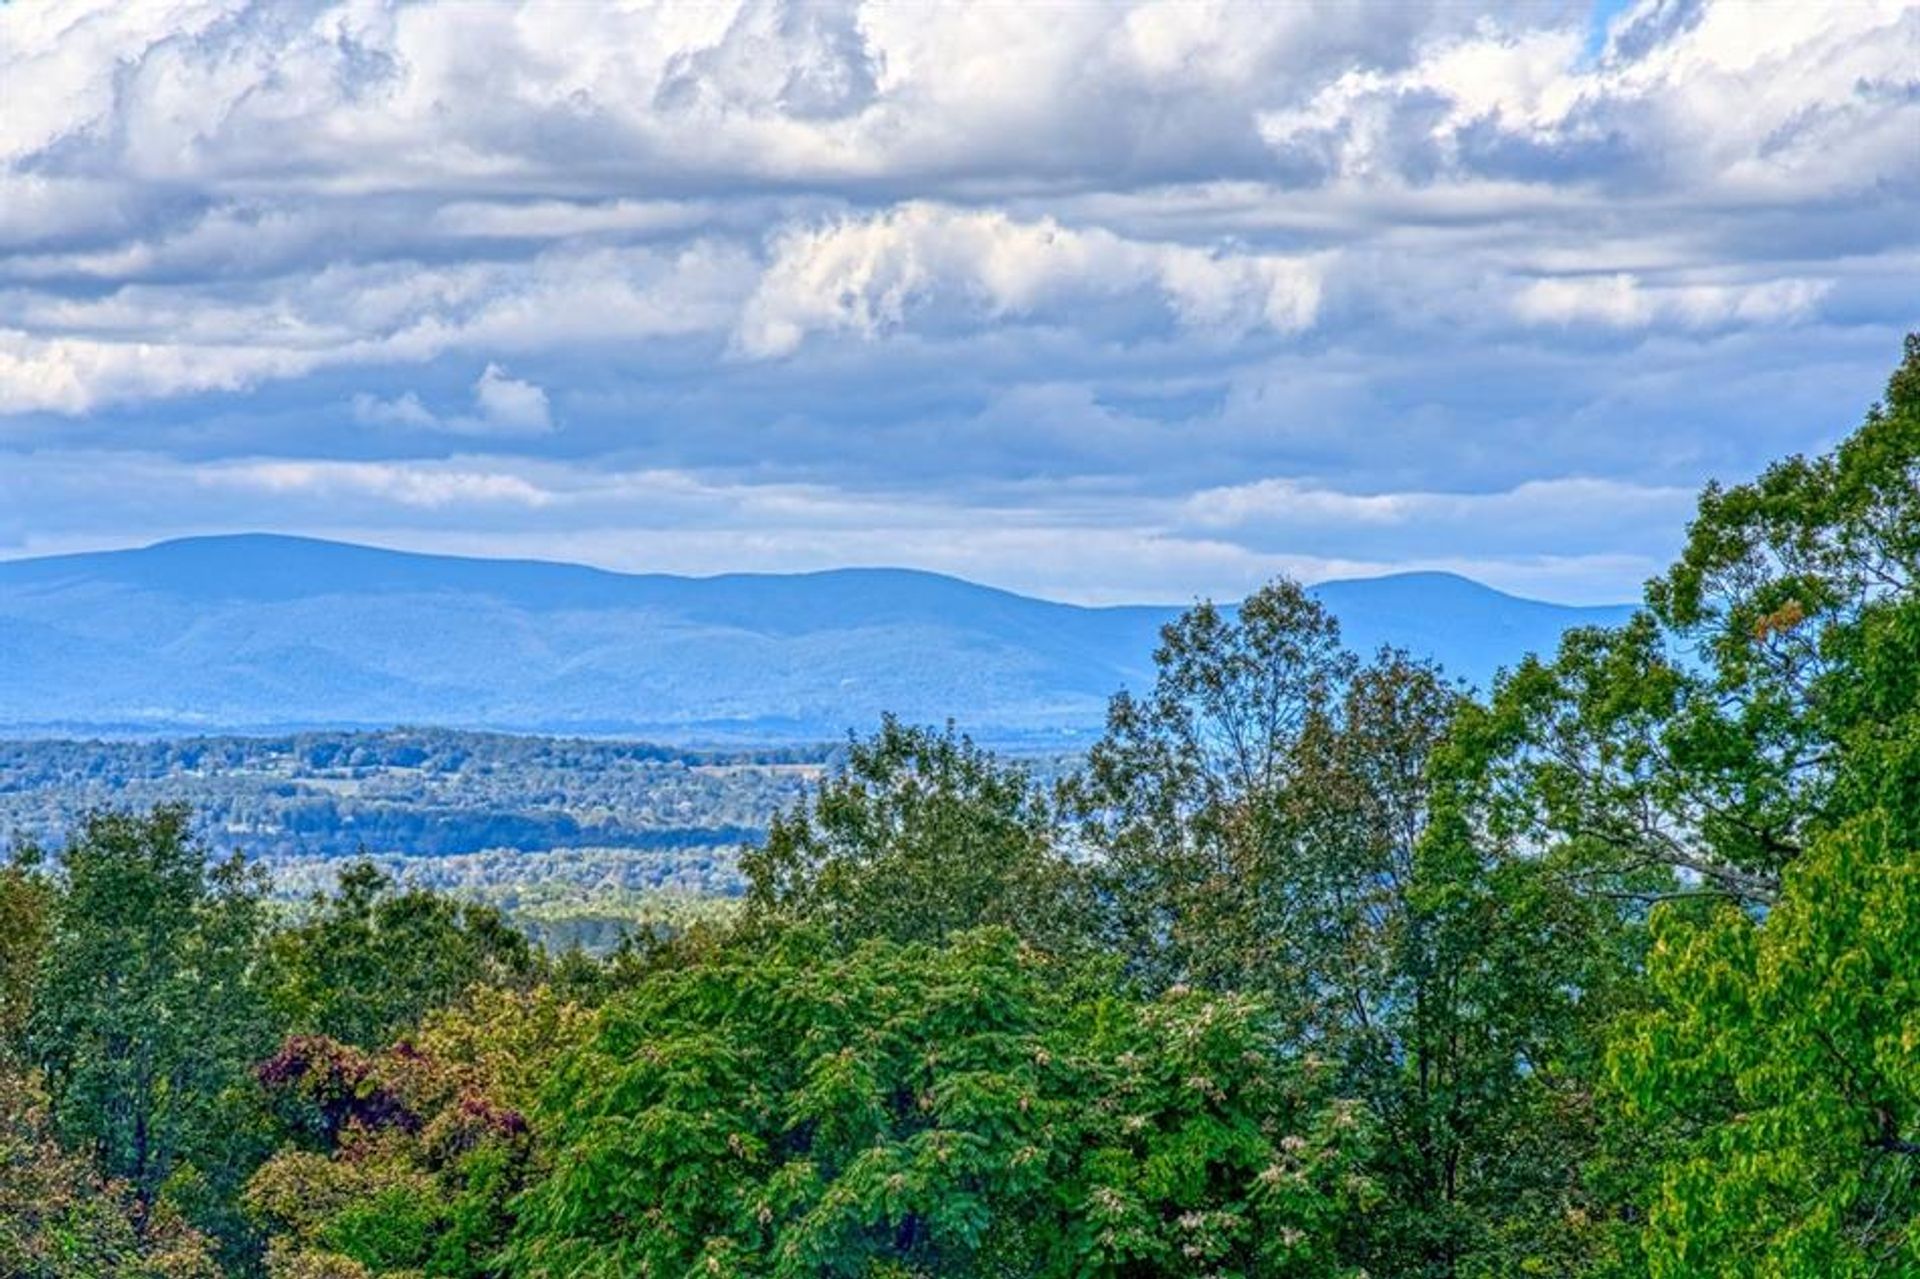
(255, 631)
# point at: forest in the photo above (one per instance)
(1316, 965)
(421, 792)
(577, 840)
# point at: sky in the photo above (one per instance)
(1102, 302)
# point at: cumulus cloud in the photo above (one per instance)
(1222, 286)
(502, 405)
(874, 274)
(507, 404)
(1800, 103)
(75, 351)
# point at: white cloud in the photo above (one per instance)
(1623, 301)
(1559, 516)
(558, 219)
(1805, 101)
(73, 374)
(509, 405)
(245, 175)
(156, 340)
(501, 405)
(870, 275)
(402, 410)
(408, 484)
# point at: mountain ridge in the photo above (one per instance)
(243, 630)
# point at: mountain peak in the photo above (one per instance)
(256, 629)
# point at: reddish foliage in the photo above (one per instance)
(341, 1083)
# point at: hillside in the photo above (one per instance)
(256, 631)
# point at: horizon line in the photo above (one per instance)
(15, 555)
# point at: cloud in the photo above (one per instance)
(426, 487)
(502, 406)
(1809, 103)
(505, 404)
(1622, 301)
(1567, 516)
(72, 374)
(871, 275)
(402, 410)
(75, 351)
(557, 219)
(1120, 291)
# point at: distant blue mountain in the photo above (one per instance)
(261, 631)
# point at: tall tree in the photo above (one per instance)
(26, 908)
(1767, 694)
(1279, 820)
(1181, 802)
(59, 1219)
(922, 835)
(146, 1019)
(1780, 1061)
(1785, 1053)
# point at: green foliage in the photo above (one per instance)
(60, 1220)
(1786, 1050)
(905, 1110)
(922, 835)
(1748, 753)
(373, 958)
(1768, 693)
(1801, 586)
(146, 1019)
(598, 921)
(1180, 797)
(1267, 821)
(26, 907)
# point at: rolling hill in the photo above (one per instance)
(257, 631)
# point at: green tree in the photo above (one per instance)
(60, 1220)
(1779, 1066)
(26, 908)
(1767, 694)
(922, 835)
(1182, 801)
(1277, 819)
(1486, 1059)
(373, 958)
(146, 1020)
(796, 1109)
(1744, 755)
(1785, 1050)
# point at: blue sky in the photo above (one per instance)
(1102, 302)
